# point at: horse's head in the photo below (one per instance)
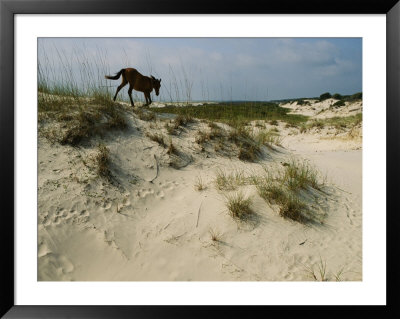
(156, 84)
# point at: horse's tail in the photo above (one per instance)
(115, 77)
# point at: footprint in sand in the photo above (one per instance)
(71, 214)
(53, 266)
(168, 185)
(142, 193)
(43, 250)
(82, 217)
(107, 206)
(160, 194)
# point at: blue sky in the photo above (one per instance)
(219, 68)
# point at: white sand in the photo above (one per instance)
(149, 226)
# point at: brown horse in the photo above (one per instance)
(138, 82)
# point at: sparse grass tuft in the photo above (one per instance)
(230, 182)
(199, 184)
(182, 120)
(102, 160)
(171, 148)
(216, 236)
(239, 206)
(159, 138)
(268, 138)
(145, 115)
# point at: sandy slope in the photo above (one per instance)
(152, 224)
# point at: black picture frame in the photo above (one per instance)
(9, 8)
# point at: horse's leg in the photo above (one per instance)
(130, 94)
(145, 96)
(124, 82)
(148, 98)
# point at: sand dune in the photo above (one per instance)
(150, 223)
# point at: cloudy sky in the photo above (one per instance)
(216, 68)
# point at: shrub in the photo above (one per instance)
(337, 96)
(339, 103)
(356, 96)
(325, 96)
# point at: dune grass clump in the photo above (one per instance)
(229, 182)
(249, 152)
(274, 193)
(79, 122)
(74, 103)
(145, 115)
(158, 138)
(293, 208)
(215, 133)
(202, 137)
(300, 175)
(268, 138)
(239, 206)
(249, 149)
(289, 203)
(182, 120)
(285, 188)
(102, 160)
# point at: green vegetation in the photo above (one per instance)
(77, 122)
(78, 105)
(302, 102)
(325, 96)
(337, 96)
(223, 181)
(268, 138)
(344, 122)
(339, 103)
(249, 149)
(239, 206)
(336, 122)
(300, 175)
(285, 188)
(236, 114)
